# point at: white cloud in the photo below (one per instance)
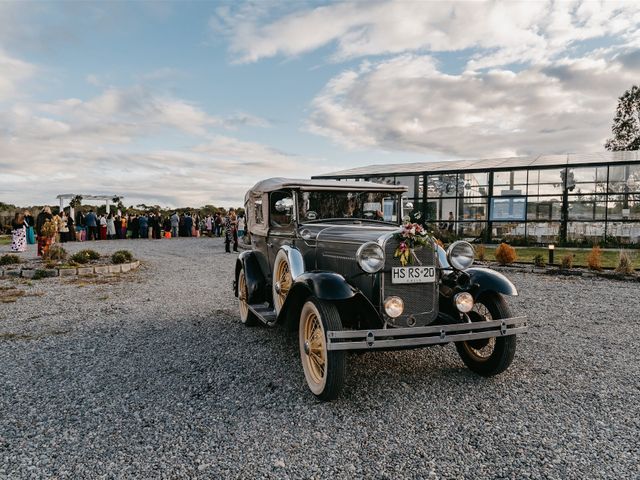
(112, 143)
(406, 103)
(13, 72)
(527, 77)
(504, 31)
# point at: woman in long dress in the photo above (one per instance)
(30, 223)
(18, 234)
(111, 227)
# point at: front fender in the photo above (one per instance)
(486, 280)
(256, 283)
(327, 285)
(323, 285)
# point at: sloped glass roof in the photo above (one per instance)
(535, 161)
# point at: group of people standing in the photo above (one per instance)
(152, 225)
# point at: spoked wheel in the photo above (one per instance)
(324, 370)
(282, 280)
(489, 356)
(246, 316)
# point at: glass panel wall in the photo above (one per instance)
(529, 205)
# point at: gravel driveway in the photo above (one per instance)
(151, 375)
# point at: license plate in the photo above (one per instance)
(413, 274)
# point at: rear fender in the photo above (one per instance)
(485, 280)
(256, 284)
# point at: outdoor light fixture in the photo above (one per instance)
(552, 247)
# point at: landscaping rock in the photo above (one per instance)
(67, 272)
(27, 273)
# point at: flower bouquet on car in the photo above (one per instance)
(412, 237)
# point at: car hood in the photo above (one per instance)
(349, 233)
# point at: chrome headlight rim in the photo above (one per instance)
(368, 263)
(461, 255)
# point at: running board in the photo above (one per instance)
(264, 312)
(418, 336)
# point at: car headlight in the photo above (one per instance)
(370, 257)
(393, 306)
(463, 302)
(460, 255)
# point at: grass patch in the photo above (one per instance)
(610, 258)
(5, 239)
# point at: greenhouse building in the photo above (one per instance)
(569, 199)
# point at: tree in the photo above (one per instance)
(626, 123)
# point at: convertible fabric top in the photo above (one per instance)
(272, 184)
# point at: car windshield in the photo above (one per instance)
(322, 205)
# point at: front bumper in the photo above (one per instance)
(421, 336)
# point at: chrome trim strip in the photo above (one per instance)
(416, 336)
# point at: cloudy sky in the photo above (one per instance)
(191, 103)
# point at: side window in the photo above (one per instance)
(257, 209)
(281, 208)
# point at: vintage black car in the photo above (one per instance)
(325, 262)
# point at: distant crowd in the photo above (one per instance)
(91, 226)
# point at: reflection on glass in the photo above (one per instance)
(510, 178)
(474, 210)
(508, 208)
(624, 178)
(543, 208)
(408, 181)
(444, 185)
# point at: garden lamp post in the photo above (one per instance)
(552, 247)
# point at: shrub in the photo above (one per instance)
(594, 259)
(624, 264)
(538, 260)
(9, 259)
(481, 252)
(55, 252)
(122, 256)
(567, 262)
(505, 254)
(39, 274)
(85, 256)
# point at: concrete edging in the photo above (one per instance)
(68, 272)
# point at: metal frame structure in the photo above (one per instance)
(566, 208)
(105, 198)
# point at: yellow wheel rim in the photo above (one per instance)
(283, 279)
(483, 351)
(242, 296)
(313, 348)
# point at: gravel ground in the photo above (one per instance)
(151, 375)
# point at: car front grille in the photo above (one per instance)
(420, 299)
